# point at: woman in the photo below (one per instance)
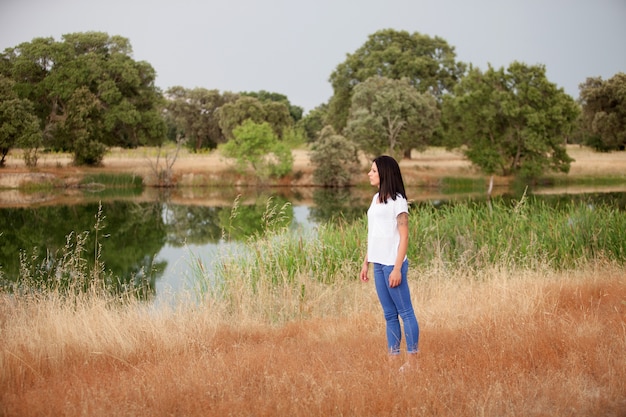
(387, 243)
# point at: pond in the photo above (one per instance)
(154, 239)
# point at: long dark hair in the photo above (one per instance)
(391, 183)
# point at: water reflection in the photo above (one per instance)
(331, 204)
(153, 242)
(130, 238)
(138, 242)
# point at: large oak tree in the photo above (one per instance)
(429, 64)
(19, 127)
(195, 113)
(604, 112)
(391, 116)
(88, 92)
(233, 114)
(295, 111)
(511, 122)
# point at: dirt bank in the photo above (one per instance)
(196, 169)
(424, 168)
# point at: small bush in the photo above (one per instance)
(257, 146)
(89, 152)
(335, 158)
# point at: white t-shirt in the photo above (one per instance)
(383, 237)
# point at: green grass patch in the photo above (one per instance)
(39, 186)
(112, 180)
(585, 181)
(519, 233)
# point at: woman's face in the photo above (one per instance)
(373, 175)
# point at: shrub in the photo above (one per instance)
(256, 145)
(335, 158)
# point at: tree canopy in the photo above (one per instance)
(429, 64)
(87, 92)
(604, 112)
(313, 123)
(391, 116)
(511, 122)
(19, 127)
(195, 113)
(234, 113)
(295, 112)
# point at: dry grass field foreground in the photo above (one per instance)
(493, 343)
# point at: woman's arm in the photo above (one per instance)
(403, 228)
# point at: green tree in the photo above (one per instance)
(391, 116)
(19, 127)
(278, 117)
(511, 122)
(294, 111)
(313, 122)
(87, 74)
(428, 63)
(603, 117)
(256, 145)
(195, 114)
(233, 114)
(335, 158)
(83, 126)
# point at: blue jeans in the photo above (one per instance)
(396, 302)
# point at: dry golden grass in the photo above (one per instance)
(493, 343)
(191, 168)
(200, 177)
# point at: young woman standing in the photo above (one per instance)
(387, 244)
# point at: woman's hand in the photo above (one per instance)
(364, 269)
(395, 278)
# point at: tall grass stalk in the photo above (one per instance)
(285, 268)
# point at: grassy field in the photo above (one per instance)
(521, 312)
(500, 342)
(532, 326)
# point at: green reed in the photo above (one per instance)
(112, 180)
(521, 234)
(39, 187)
(594, 180)
(284, 256)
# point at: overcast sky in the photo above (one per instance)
(292, 46)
